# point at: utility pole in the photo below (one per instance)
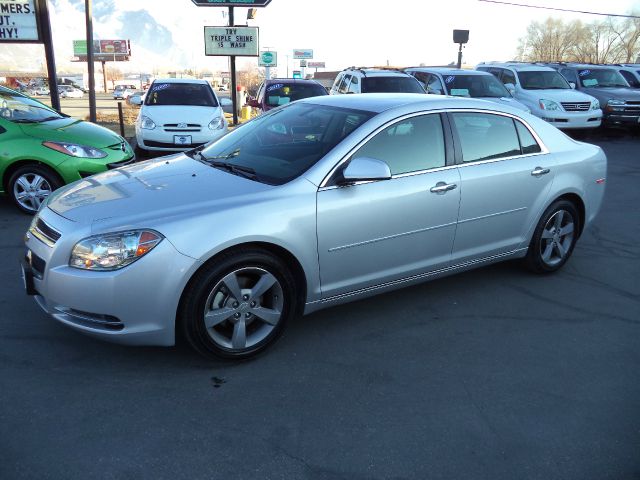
(234, 85)
(90, 66)
(45, 29)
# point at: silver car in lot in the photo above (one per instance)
(320, 202)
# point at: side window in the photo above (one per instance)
(630, 78)
(508, 77)
(422, 77)
(435, 85)
(344, 84)
(528, 144)
(354, 86)
(409, 145)
(337, 82)
(484, 136)
(570, 75)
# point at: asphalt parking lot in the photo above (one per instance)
(491, 374)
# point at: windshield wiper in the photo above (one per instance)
(48, 119)
(24, 120)
(241, 170)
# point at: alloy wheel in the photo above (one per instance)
(557, 238)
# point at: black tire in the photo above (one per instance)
(207, 292)
(31, 174)
(554, 238)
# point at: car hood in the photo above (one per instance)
(617, 93)
(163, 114)
(506, 101)
(559, 95)
(73, 131)
(162, 187)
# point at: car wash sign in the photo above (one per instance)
(231, 41)
(19, 21)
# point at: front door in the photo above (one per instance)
(376, 232)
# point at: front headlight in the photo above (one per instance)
(595, 105)
(146, 123)
(216, 124)
(75, 150)
(548, 105)
(113, 251)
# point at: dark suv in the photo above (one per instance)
(280, 91)
(620, 104)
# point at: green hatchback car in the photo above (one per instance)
(41, 149)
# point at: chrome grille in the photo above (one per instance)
(182, 127)
(45, 233)
(576, 106)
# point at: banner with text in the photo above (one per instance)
(228, 41)
(18, 21)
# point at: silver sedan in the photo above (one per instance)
(320, 202)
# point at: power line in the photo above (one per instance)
(561, 9)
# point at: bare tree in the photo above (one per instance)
(609, 41)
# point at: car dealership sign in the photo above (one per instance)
(236, 41)
(18, 21)
(303, 53)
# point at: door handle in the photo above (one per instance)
(539, 171)
(442, 187)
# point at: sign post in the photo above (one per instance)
(90, 65)
(235, 43)
(232, 41)
(28, 22)
(267, 60)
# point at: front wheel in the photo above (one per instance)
(554, 238)
(238, 305)
(30, 185)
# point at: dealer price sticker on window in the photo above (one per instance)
(18, 21)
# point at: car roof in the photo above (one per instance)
(376, 72)
(293, 81)
(447, 71)
(586, 66)
(380, 102)
(519, 67)
(181, 80)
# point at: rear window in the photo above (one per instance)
(391, 84)
(283, 93)
(196, 94)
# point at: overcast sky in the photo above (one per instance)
(168, 34)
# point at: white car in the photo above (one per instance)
(374, 80)
(178, 115)
(67, 91)
(547, 94)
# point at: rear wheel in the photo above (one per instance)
(30, 185)
(554, 238)
(238, 305)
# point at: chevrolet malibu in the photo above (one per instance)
(320, 202)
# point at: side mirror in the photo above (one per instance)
(365, 169)
(572, 85)
(511, 88)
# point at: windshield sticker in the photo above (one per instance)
(449, 79)
(584, 73)
(589, 82)
(162, 86)
(460, 92)
(275, 86)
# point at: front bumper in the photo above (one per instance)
(160, 140)
(571, 120)
(135, 305)
(622, 118)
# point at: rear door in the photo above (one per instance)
(505, 180)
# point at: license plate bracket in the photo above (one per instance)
(182, 140)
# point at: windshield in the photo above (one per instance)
(475, 86)
(542, 80)
(19, 109)
(279, 146)
(197, 94)
(601, 78)
(281, 93)
(391, 84)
